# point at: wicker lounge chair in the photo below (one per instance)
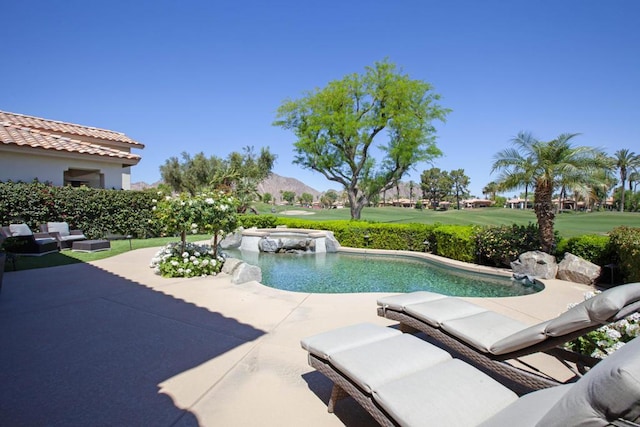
(62, 233)
(489, 340)
(403, 380)
(19, 239)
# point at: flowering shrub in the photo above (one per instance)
(503, 244)
(193, 260)
(608, 338)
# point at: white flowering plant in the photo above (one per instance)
(212, 212)
(608, 338)
(192, 260)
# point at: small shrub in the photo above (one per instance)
(591, 247)
(192, 261)
(456, 242)
(625, 244)
(503, 244)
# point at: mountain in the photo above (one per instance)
(275, 184)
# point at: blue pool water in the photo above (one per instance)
(348, 272)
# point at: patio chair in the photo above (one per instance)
(19, 239)
(403, 380)
(61, 232)
(489, 340)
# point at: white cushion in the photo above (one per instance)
(60, 227)
(437, 311)
(400, 301)
(20, 230)
(451, 393)
(325, 344)
(484, 329)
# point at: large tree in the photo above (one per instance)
(436, 185)
(342, 128)
(460, 183)
(554, 163)
(625, 161)
(239, 173)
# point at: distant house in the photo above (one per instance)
(478, 203)
(64, 153)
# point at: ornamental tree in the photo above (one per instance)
(211, 213)
(340, 127)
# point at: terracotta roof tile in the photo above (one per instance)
(54, 126)
(24, 136)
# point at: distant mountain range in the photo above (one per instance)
(275, 184)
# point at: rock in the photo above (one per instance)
(268, 245)
(230, 264)
(578, 270)
(535, 264)
(233, 240)
(331, 243)
(246, 273)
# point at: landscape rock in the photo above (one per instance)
(233, 240)
(230, 264)
(268, 245)
(535, 264)
(578, 270)
(246, 273)
(331, 243)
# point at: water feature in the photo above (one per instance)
(344, 272)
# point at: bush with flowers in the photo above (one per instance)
(608, 338)
(213, 212)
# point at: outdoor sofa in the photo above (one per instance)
(19, 239)
(62, 233)
(403, 380)
(489, 340)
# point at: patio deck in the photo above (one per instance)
(110, 343)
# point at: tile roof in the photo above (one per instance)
(54, 126)
(23, 136)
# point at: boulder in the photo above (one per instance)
(233, 240)
(535, 264)
(246, 273)
(230, 264)
(331, 243)
(268, 245)
(578, 270)
(288, 245)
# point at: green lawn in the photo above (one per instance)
(568, 224)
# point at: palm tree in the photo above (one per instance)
(552, 163)
(625, 160)
(520, 172)
(491, 188)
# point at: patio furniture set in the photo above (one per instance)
(462, 377)
(53, 236)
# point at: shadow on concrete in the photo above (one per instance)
(82, 346)
(349, 412)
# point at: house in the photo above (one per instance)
(64, 153)
(477, 203)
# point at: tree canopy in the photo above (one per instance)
(339, 127)
(552, 164)
(239, 173)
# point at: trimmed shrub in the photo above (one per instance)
(258, 221)
(503, 244)
(456, 242)
(625, 243)
(592, 247)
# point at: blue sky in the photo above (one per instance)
(209, 75)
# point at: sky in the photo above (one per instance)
(209, 76)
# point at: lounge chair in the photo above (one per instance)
(19, 239)
(403, 380)
(488, 339)
(64, 236)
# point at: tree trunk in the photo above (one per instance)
(356, 203)
(543, 206)
(622, 197)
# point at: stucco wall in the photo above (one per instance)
(21, 167)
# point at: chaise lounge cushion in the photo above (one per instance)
(20, 230)
(326, 344)
(609, 391)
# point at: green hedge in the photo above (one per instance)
(503, 244)
(592, 247)
(456, 242)
(94, 211)
(625, 242)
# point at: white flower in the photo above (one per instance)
(180, 270)
(174, 263)
(613, 334)
(196, 253)
(153, 208)
(205, 262)
(194, 225)
(196, 262)
(191, 258)
(167, 198)
(185, 255)
(188, 271)
(154, 201)
(209, 201)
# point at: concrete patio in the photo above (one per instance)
(110, 343)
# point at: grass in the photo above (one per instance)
(70, 257)
(568, 224)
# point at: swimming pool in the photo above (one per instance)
(346, 272)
